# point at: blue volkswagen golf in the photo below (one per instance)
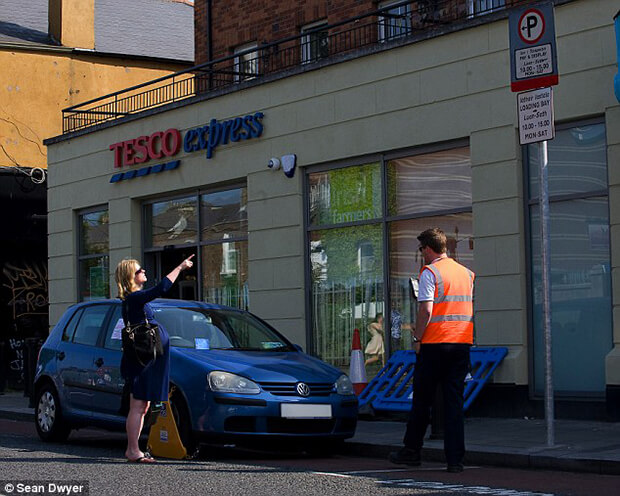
(233, 377)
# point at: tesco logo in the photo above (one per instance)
(144, 148)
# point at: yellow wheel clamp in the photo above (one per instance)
(164, 440)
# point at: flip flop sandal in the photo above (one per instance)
(147, 458)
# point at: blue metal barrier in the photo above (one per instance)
(392, 388)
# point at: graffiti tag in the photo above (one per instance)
(28, 285)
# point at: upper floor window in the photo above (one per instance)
(481, 7)
(93, 258)
(395, 21)
(246, 62)
(314, 42)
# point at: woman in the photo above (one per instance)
(375, 345)
(149, 382)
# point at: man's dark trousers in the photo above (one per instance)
(446, 364)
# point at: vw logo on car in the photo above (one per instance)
(303, 389)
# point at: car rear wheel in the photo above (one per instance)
(48, 415)
(181, 416)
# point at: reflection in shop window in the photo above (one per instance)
(224, 274)
(347, 287)
(93, 258)
(172, 222)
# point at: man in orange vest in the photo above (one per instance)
(442, 337)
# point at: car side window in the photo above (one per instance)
(67, 334)
(113, 332)
(89, 326)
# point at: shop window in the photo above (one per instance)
(579, 260)
(225, 273)
(212, 225)
(342, 196)
(246, 62)
(347, 289)
(394, 22)
(93, 257)
(314, 42)
(431, 182)
(349, 232)
(172, 222)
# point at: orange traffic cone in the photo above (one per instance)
(357, 371)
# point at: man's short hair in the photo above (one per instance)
(435, 239)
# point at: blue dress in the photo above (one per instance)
(148, 383)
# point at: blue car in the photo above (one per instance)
(233, 378)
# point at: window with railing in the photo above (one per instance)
(480, 7)
(246, 62)
(314, 42)
(395, 22)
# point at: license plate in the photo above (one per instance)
(305, 411)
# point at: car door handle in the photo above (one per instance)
(60, 355)
(99, 362)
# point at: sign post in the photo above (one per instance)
(533, 66)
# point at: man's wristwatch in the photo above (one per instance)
(415, 340)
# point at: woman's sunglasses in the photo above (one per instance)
(140, 271)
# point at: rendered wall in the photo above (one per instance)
(451, 87)
(41, 84)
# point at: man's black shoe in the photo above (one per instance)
(455, 469)
(406, 456)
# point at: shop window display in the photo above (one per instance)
(349, 231)
(93, 256)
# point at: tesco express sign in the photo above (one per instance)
(166, 144)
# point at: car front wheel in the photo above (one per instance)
(183, 422)
(48, 415)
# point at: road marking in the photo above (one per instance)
(333, 474)
(440, 486)
(411, 469)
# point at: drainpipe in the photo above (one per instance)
(210, 38)
(617, 77)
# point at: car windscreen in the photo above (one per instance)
(206, 329)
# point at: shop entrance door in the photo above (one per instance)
(161, 263)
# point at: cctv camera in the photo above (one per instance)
(274, 163)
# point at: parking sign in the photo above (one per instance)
(533, 61)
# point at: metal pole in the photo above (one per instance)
(546, 290)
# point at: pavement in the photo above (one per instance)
(580, 446)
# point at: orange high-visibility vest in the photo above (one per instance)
(452, 319)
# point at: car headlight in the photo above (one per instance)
(344, 385)
(225, 382)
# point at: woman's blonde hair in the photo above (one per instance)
(125, 274)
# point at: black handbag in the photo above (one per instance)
(142, 341)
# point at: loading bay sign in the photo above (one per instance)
(533, 60)
(536, 116)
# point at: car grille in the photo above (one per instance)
(289, 388)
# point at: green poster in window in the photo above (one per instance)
(98, 282)
(355, 194)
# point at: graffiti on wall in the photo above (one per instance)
(28, 287)
(16, 361)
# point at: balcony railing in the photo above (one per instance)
(401, 21)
